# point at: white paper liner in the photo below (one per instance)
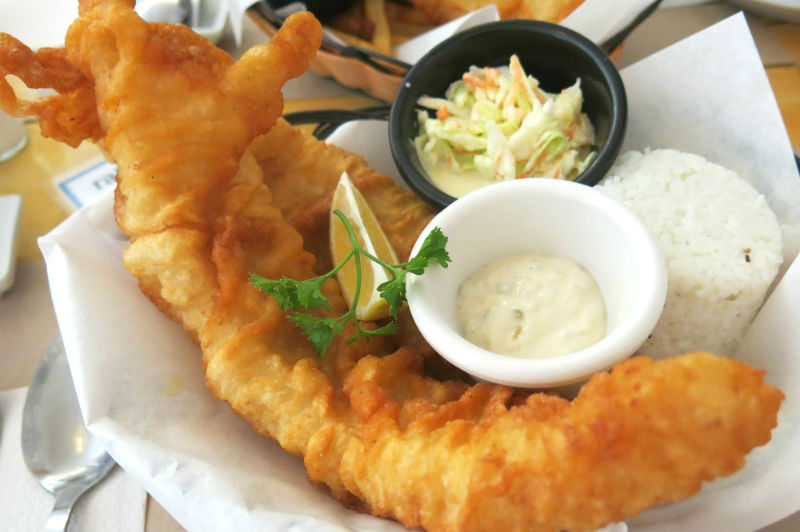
(707, 94)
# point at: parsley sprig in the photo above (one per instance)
(302, 297)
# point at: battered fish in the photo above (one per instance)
(176, 116)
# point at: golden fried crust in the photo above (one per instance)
(631, 439)
(370, 424)
(69, 116)
(302, 174)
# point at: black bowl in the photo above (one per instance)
(553, 54)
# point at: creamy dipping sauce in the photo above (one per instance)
(531, 306)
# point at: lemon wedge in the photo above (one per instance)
(370, 236)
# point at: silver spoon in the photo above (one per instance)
(58, 450)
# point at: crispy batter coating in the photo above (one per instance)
(441, 11)
(70, 116)
(306, 203)
(369, 421)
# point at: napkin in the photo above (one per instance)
(411, 51)
(599, 20)
(116, 503)
(140, 383)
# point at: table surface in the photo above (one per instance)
(27, 321)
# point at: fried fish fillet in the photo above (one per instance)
(306, 202)
(203, 211)
(441, 11)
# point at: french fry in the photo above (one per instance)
(352, 40)
(355, 24)
(406, 14)
(406, 22)
(375, 10)
(381, 24)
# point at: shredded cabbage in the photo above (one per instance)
(499, 122)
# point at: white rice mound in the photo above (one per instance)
(720, 239)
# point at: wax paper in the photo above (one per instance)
(140, 382)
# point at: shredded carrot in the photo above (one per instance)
(516, 71)
(539, 159)
(519, 79)
(442, 113)
(474, 81)
(570, 132)
(558, 173)
(536, 163)
(492, 75)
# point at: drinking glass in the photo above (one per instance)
(13, 136)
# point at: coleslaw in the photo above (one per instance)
(496, 124)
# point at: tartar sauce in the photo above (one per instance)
(531, 306)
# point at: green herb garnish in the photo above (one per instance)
(301, 297)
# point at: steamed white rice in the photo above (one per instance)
(720, 239)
